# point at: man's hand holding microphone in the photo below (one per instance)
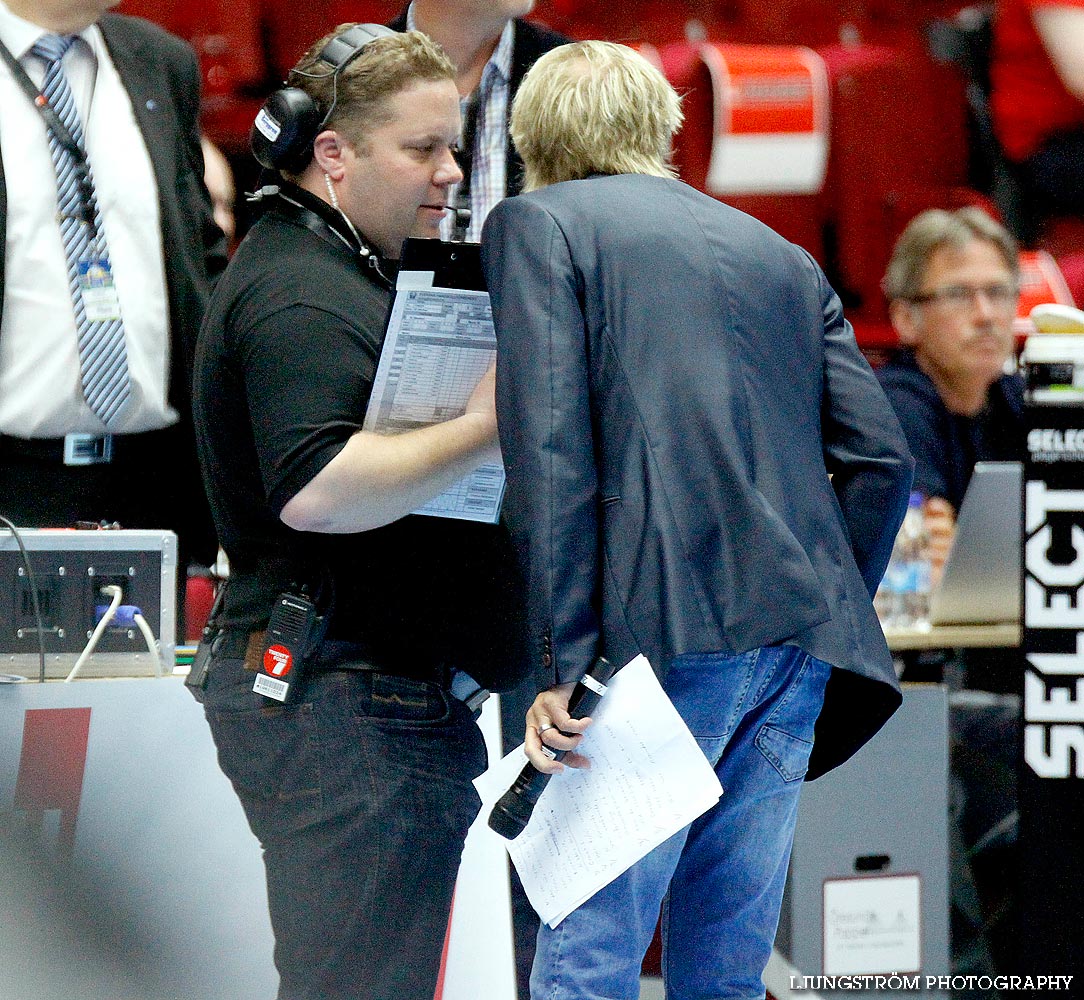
(555, 725)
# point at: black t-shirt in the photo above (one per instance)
(947, 445)
(284, 369)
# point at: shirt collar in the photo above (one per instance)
(19, 35)
(501, 60)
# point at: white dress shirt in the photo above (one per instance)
(40, 391)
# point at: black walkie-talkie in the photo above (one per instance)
(513, 810)
(290, 632)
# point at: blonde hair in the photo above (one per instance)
(388, 65)
(594, 108)
(927, 232)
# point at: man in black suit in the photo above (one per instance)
(135, 90)
(701, 468)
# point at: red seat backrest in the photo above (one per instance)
(898, 145)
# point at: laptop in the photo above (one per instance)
(981, 581)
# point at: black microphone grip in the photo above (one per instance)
(513, 810)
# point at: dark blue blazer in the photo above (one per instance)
(699, 457)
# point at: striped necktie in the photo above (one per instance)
(103, 357)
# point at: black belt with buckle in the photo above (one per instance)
(72, 449)
(335, 654)
(331, 654)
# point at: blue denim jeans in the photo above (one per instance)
(719, 882)
(361, 796)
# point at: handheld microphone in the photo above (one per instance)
(513, 810)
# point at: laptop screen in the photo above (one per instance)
(981, 581)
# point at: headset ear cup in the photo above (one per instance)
(284, 130)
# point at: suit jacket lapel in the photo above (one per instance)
(148, 90)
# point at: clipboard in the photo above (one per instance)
(451, 265)
(438, 342)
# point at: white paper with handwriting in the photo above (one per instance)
(647, 780)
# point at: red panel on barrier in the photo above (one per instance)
(199, 597)
(1041, 281)
(51, 766)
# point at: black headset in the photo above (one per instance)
(290, 120)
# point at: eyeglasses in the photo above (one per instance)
(1001, 296)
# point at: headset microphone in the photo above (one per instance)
(290, 120)
(461, 217)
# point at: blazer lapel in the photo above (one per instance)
(141, 72)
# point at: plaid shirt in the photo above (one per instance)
(491, 135)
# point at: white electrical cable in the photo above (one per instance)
(152, 643)
(117, 594)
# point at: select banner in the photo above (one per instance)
(1051, 773)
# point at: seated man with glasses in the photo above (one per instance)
(952, 287)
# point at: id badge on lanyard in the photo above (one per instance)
(96, 286)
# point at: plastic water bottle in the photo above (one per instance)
(914, 543)
(903, 599)
(887, 601)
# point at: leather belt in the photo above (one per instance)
(72, 449)
(332, 654)
(78, 448)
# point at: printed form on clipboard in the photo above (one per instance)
(439, 343)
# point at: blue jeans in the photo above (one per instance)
(719, 881)
(361, 796)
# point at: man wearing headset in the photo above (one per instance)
(359, 788)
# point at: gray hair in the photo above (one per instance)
(927, 232)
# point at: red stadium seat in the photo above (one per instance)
(898, 145)
(291, 29)
(170, 14)
(794, 22)
(227, 37)
(655, 21)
